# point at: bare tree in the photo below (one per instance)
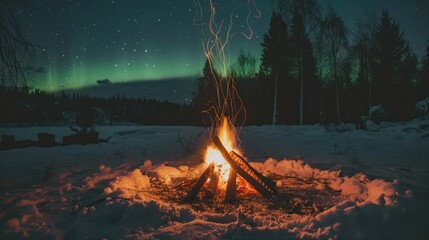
(16, 53)
(362, 51)
(245, 66)
(336, 50)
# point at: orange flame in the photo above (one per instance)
(227, 135)
(227, 100)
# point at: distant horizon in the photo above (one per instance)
(113, 82)
(178, 90)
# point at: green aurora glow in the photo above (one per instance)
(86, 41)
(80, 74)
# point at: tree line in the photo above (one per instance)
(20, 105)
(312, 72)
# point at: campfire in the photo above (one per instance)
(224, 162)
(224, 159)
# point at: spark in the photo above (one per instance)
(256, 14)
(216, 35)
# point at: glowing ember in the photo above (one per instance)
(227, 136)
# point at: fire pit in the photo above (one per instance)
(225, 165)
(301, 193)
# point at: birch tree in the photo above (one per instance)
(336, 50)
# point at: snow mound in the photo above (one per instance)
(357, 188)
(166, 173)
(128, 184)
(422, 108)
(377, 114)
(295, 168)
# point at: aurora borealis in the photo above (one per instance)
(125, 40)
(120, 40)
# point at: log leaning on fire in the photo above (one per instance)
(268, 183)
(197, 187)
(243, 168)
(231, 186)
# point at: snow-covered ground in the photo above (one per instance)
(332, 185)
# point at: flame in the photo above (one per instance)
(227, 100)
(227, 135)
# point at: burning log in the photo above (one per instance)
(245, 165)
(212, 186)
(231, 186)
(197, 187)
(242, 167)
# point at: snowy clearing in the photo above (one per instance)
(338, 185)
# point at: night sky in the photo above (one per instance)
(126, 40)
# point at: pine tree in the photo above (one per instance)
(274, 62)
(205, 88)
(389, 54)
(303, 70)
(305, 19)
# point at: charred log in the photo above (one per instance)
(210, 191)
(197, 187)
(261, 184)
